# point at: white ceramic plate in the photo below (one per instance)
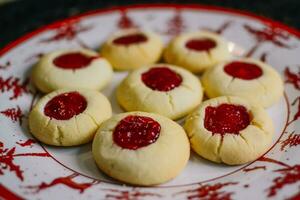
(32, 170)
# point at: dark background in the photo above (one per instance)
(23, 16)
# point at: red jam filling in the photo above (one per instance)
(134, 132)
(161, 79)
(130, 39)
(243, 70)
(65, 106)
(75, 60)
(226, 118)
(202, 44)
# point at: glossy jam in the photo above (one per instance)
(202, 44)
(226, 118)
(130, 39)
(65, 106)
(243, 70)
(74, 60)
(134, 132)
(161, 79)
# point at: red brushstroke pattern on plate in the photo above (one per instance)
(68, 31)
(176, 24)
(14, 85)
(221, 29)
(272, 34)
(15, 114)
(67, 181)
(125, 22)
(114, 194)
(288, 175)
(209, 192)
(292, 141)
(292, 78)
(271, 160)
(7, 157)
(297, 114)
(26, 143)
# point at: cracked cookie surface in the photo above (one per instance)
(76, 68)
(197, 51)
(131, 49)
(141, 148)
(161, 88)
(244, 133)
(62, 119)
(248, 78)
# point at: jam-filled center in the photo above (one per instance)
(65, 106)
(130, 39)
(243, 70)
(74, 60)
(201, 44)
(161, 79)
(226, 118)
(134, 132)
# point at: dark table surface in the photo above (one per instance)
(20, 17)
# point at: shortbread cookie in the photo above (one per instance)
(68, 117)
(161, 88)
(228, 129)
(248, 78)
(130, 49)
(197, 51)
(76, 68)
(141, 148)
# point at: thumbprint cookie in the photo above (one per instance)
(76, 68)
(161, 88)
(197, 51)
(248, 78)
(131, 49)
(68, 117)
(141, 148)
(229, 130)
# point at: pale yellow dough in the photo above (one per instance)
(265, 90)
(150, 165)
(196, 61)
(47, 77)
(250, 144)
(128, 57)
(134, 95)
(79, 129)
